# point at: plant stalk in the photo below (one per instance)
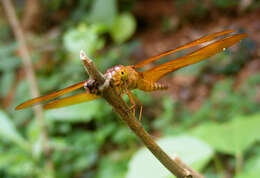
(174, 165)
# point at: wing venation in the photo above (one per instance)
(158, 72)
(50, 96)
(71, 100)
(191, 44)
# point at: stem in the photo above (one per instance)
(175, 165)
(239, 162)
(15, 25)
(218, 165)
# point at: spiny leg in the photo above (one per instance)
(133, 98)
(130, 96)
(141, 106)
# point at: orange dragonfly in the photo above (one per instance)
(127, 78)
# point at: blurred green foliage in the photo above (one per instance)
(89, 140)
(144, 164)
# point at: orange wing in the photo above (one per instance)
(50, 96)
(191, 44)
(158, 72)
(75, 99)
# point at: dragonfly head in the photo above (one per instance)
(118, 73)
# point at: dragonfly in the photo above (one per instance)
(127, 78)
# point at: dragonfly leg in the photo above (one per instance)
(133, 99)
(133, 106)
(141, 106)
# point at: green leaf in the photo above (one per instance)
(105, 131)
(8, 60)
(251, 169)
(103, 12)
(250, 174)
(232, 137)
(35, 138)
(191, 150)
(17, 163)
(123, 28)
(6, 82)
(253, 163)
(81, 150)
(165, 118)
(9, 132)
(112, 166)
(33, 130)
(9, 63)
(122, 134)
(86, 37)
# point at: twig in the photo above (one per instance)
(91, 68)
(175, 165)
(32, 15)
(10, 13)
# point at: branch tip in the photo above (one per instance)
(82, 54)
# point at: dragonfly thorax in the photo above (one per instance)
(124, 77)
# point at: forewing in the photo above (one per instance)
(191, 44)
(158, 72)
(50, 96)
(71, 100)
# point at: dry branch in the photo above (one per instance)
(176, 166)
(32, 15)
(25, 55)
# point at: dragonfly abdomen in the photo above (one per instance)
(147, 85)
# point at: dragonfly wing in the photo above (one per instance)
(71, 100)
(191, 44)
(50, 96)
(158, 72)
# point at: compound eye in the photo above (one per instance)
(122, 73)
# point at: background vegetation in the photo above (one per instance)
(209, 116)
